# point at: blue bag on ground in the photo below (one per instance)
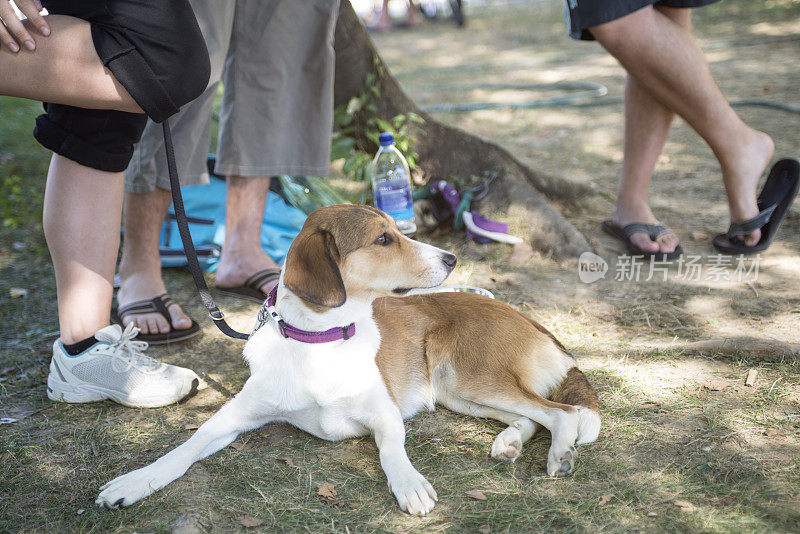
(205, 211)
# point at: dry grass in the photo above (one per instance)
(679, 424)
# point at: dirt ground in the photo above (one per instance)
(685, 446)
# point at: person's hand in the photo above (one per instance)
(12, 32)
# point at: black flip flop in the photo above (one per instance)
(653, 230)
(250, 289)
(773, 202)
(160, 305)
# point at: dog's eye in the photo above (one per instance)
(383, 240)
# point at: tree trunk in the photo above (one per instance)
(444, 150)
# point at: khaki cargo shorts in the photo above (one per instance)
(275, 60)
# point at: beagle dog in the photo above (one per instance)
(340, 352)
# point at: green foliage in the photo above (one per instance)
(23, 165)
(357, 126)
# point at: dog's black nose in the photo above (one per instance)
(449, 260)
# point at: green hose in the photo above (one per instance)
(586, 94)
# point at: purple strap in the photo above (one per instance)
(452, 197)
(304, 336)
(486, 224)
(449, 193)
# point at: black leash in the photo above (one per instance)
(188, 246)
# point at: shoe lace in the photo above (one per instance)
(130, 353)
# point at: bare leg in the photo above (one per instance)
(647, 124)
(140, 266)
(82, 209)
(242, 255)
(383, 21)
(666, 61)
(527, 410)
(412, 16)
(64, 69)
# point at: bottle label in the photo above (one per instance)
(396, 203)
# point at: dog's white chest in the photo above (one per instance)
(325, 379)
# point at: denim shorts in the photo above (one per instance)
(155, 50)
(584, 14)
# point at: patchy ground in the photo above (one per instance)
(686, 445)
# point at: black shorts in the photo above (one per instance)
(583, 14)
(154, 48)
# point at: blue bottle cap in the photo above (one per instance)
(386, 139)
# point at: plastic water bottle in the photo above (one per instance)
(391, 184)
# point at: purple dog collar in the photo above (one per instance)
(304, 336)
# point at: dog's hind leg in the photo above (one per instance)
(218, 432)
(507, 446)
(517, 404)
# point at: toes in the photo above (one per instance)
(415, 495)
(667, 243)
(643, 241)
(180, 321)
(752, 239)
(152, 324)
(431, 492)
(562, 465)
(162, 324)
(507, 445)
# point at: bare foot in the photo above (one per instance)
(145, 286)
(380, 23)
(741, 175)
(640, 212)
(235, 267)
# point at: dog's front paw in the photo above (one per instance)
(129, 488)
(414, 493)
(560, 464)
(507, 445)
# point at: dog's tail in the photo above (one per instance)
(577, 391)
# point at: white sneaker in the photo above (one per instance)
(115, 368)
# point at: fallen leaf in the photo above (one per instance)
(699, 236)
(288, 461)
(190, 427)
(248, 522)
(476, 494)
(685, 506)
(726, 501)
(772, 432)
(327, 493)
(239, 446)
(715, 385)
(605, 498)
(485, 529)
(17, 292)
(522, 254)
(751, 378)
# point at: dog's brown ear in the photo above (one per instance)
(312, 270)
